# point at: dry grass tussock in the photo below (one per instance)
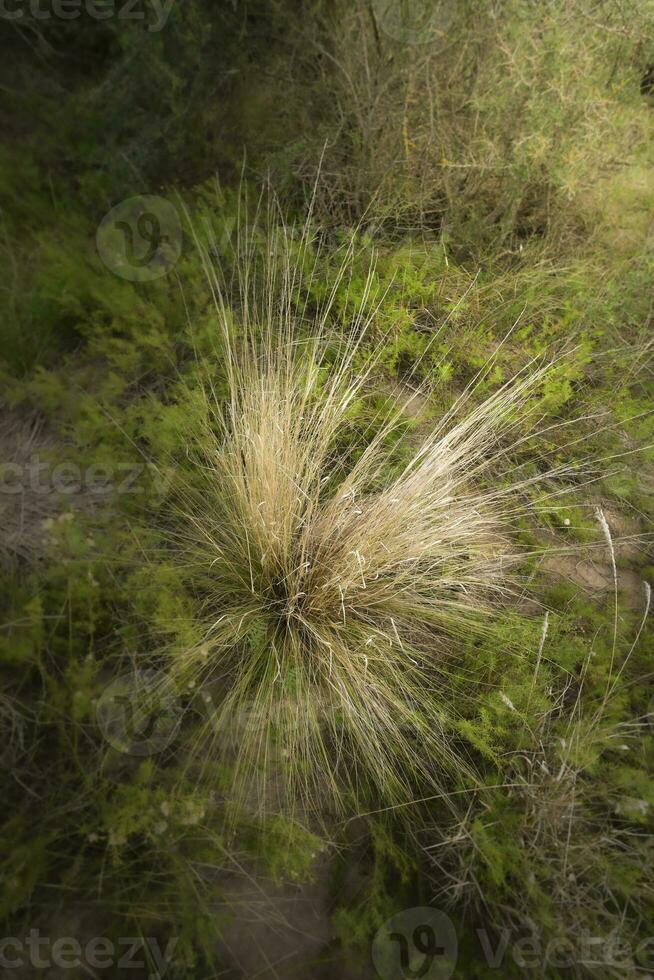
(337, 599)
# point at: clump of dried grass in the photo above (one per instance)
(336, 598)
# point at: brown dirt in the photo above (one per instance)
(277, 928)
(591, 569)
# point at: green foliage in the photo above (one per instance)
(392, 874)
